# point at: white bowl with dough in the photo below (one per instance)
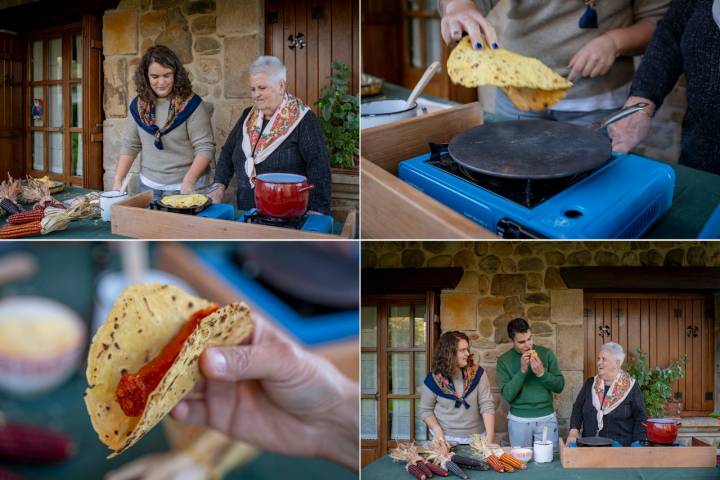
(41, 342)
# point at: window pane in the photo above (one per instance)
(412, 5)
(76, 67)
(399, 373)
(433, 40)
(55, 112)
(56, 152)
(399, 326)
(431, 5)
(368, 373)
(368, 419)
(77, 154)
(55, 59)
(420, 427)
(36, 61)
(38, 151)
(414, 43)
(420, 371)
(37, 105)
(76, 102)
(420, 325)
(399, 419)
(368, 333)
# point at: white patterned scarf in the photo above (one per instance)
(619, 390)
(257, 144)
(716, 12)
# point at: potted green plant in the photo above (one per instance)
(339, 115)
(674, 405)
(655, 383)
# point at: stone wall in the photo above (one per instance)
(215, 39)
(504, 280)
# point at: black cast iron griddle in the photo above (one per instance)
(535, 149)
(594, 442)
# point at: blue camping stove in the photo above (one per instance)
(620, 199)
(310, 222)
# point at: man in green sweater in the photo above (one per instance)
(528, 376)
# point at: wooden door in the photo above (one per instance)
(12, 61)
(307, 35)
(397, 337)
(666, 326)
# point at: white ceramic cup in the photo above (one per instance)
(107, 199)
(542, 452)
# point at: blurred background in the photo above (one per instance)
(53, 296)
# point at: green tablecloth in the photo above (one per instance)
(94, 229)
(385, 469)
(696, 195)
(70, 278)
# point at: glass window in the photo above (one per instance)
(399, 419)
(399, 373)
(56, 152)
(76, 66)
(36, 61)
(413, 5)
(420, 325)
(368, 322)
(399, 326)
(420, 371)
(369, 373)
(368, 419)
(420, 427)
(55, 59)
(431, 5)
(38, 151)
(76, 101)
(433, 41)
(77, 154)
(414, 59)
(37, 105)
(55, 107)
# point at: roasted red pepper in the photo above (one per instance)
(134, 388)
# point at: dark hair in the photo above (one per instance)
(167, 58)
(445, 357)
(517, 325)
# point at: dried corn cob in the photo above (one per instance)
(497, 465)
(26, 217)
(415, 471)
(437, 470)
(512, 461)
(9, 206)
(453, 468)
(20, 231)
(26, 443)
(421, 463)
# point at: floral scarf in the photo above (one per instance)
(257, 144)
(444, 387)
(619, 390)
(716, 12)
(180, 110)
(589, 17)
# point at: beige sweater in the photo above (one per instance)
(459, 422)
(180, 146)
(548, 30)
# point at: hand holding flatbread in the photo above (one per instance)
(144, 359)
(529, 83)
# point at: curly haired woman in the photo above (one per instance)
(169, 124)
(456, 393)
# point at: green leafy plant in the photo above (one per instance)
(655, 383)
(339, 116)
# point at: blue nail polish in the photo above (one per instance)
(478, 45)
(495, 45)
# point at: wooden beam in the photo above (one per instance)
(645, 278)
(406, 280)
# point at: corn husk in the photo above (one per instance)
(57, 219)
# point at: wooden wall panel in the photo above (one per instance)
(12, 59)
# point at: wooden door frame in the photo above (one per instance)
(15, 132)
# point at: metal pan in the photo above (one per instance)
(594, 442)
(159, 205)
(535, 149)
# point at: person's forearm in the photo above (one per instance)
(123, 167)
(489, 421)
(632, 40)
(434, 426)
(511, 388)
(198, 167)
(443, 5)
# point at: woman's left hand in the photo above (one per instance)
(595, 58)
(187, 187)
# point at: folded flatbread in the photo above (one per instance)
(139, 334)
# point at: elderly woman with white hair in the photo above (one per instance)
(278, 134)
(610, 404)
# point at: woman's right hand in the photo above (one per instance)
(217, 194)
(117, 183)
(463, 15)
(627, 133)
(572, 435)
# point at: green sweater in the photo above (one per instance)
(528, 395)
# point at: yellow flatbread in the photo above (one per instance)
(532, 98)
(142, 322)
(184, 201)
(489, 66)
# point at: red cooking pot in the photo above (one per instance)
(662, 430)
(282, 195)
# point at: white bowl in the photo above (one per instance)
(522, 454)
(41, 342)
(383, 112)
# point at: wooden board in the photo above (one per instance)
(700, 454)
(390, 207)
(132, 218)
(180, 261)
